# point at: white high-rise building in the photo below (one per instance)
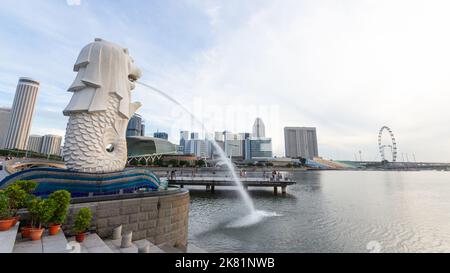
(198, 147)
(51, 144)
(34, 143)
(5, 116)
(301, 142)
(195, 135)
(184, 135)
(22, 114)
(234, 148)
(259, 130)
(218, 136)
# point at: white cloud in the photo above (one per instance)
(73, 2)
(346, 67)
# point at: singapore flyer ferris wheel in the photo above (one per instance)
(392, 146)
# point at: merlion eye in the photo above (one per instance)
(110, 148)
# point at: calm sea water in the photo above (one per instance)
(335, 211)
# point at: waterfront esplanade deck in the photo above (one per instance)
(210, 182)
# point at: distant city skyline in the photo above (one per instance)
(344, 69)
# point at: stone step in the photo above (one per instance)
(143, 243)
(54, 244)
(169, 249)
(47, 244)
(92, 244)
(114, 245)
(8, 239)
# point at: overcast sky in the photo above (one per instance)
(345, 67)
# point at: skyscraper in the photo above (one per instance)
(51, 144)
(161, 135)
(301, 142)
(143, 129)
(135, 126)
(218, 136)
(5, 116)
(197, 147)
(34, 143)
(184, 137)
(258, 148)
(194, 135)
(259, 130)
(22, 114)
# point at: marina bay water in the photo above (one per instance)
(331, 211)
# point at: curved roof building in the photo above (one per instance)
(138, 146)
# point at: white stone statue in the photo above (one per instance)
(100, 109)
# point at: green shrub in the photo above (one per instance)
(82, 220)
(41, 211)
(17, 197)
(62, 202)
(27, 185)
(200, 163)
(5, 211)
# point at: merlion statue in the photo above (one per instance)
(100, 109)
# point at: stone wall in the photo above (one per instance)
(159, 219)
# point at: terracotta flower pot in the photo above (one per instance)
(36, 234)
(53, 229)
(6, 224)
(25, 231)
(80, 237)
(16, 219)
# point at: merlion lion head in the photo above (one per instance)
(103, 68)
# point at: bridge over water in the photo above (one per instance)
(211, 182)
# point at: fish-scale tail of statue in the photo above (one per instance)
(93, 144)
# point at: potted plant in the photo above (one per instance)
(6, 220)
(82, 223)
(17, 197)
(61, 200)
(25, 230)
(40, 211)
(28, 186)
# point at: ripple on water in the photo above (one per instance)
(252, 219)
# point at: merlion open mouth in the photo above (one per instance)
(132, 78)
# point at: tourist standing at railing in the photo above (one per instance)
(279, 176)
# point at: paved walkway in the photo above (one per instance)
(7, 239)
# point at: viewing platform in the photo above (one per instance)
(211, 182)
